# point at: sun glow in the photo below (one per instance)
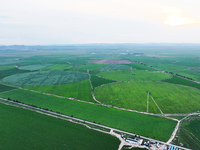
(178, 21)
(175, 17)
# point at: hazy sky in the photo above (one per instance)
(99, 21)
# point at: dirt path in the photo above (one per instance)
(156, 104)
(147, 102)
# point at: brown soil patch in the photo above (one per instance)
(111, 62)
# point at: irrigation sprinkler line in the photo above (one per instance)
(156, 104)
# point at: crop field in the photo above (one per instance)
(78, 90)
(40, 78)
(92, 66)
(170, 98)
(121, 76)
(178, 80)
(193, 128)
(128, 121)
(6, 67)
(189, 133)
(96, 81)
(58, 67)
(134, 75)
(114, 67)
(189, 74)
(4, 88)
(24, 129)
(5, 73)
(140, 67)
(34, 67)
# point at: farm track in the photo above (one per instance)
(80, 121)
(92, 91)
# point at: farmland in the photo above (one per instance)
(188, 133)
(114, 67)
(134, 75)
(58, 67)
(4, 88)
(24, 129)
(40, 78)
(100, 114)
(137, 88)
(96, 81)
(78, 90)
(133, 95)
(34, 67)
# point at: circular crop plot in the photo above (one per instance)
(153, 97)
(40, 78)
(134, 75)
(35, 67)
(111, 62)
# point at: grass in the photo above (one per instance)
(79, 90)
(134, 75)
(170, 98)
(114, 67)
(150, 126)
(96, 81)
(178, 80)
(58, 67)
(40, 78)
(24, 129)
(4, 88)
(34, 67)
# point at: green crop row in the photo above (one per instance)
(134, 75)
(78, 90)
(170, 98)
(25, 129)
(150, 126)
(40, 78)
(4, 88)
(178, 80)
(96, 81)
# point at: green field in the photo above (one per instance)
(134, 75)
(40, 78)
(92, 66)
(5, 73)
(140, 67)
(34, 67)
(193, 127)
(158, 128)
(78, 90)
(6, 67)
(58, 67)
(96, 81)
(178, 80)
(114, 67)
(189, 133)
(170, 98)
(25, 129)
(4, 88)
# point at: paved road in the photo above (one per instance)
(90, 123)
